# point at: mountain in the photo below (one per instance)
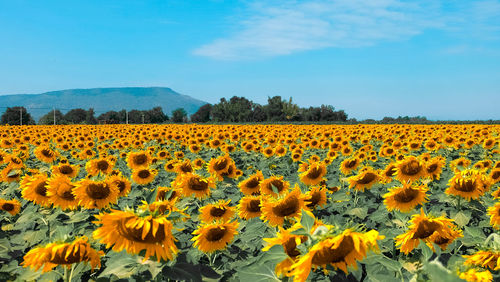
(103, 100)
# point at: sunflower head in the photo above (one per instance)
(405, 198)
(251, 185)
(144, 176)
(410, 169)
(215, 236)
(219, 211)
(288, 206)
(34, 188)
(468, 184)
(95, 194)
(13, 207)
(249, 207)
(364, 180)
(60, 192)
(192, 183)
(274, 186)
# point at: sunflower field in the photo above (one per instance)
(250, 203)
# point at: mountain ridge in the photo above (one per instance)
(103, 99)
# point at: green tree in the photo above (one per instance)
(179, 115)
(203, 114)
(90, 117)
(49, 118)
(13, 116)
(76, 116)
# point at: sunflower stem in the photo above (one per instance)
(71, 273)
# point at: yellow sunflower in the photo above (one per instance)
(388, 173)
(249, 207)
(434, 167)
(144, 176)
(124, 230)
(473, 275)
(410, 169)
(95, 194)
(45, 154)
(366, 178)
(96, 166)
(315, 197)
(289, 206)
(269, 185)
(289, 242)
(340, 252)
(137, 160)
(66, 169)
(220, 211)
(34, 188)
(60, 192)
(162, 192)
(494, 213)
(251, 185)
(11, 206)
(64, 254)
(11, 174)
(460, 163)
(405, 198)
(486, 259)
(219, 166)
(468, 184)
(171, 164)
(184, 167)
(211, 237)
(428, 229)
(348, 165)
(494, 176)
(314, 174)
(121, 183)
(191, 183)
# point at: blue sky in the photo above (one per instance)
(374, 58)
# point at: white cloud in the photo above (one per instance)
(273, 29)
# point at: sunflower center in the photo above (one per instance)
(314, 200)
(170, 166)
(217, 212)
(432, 168)
(411, 168)
(329, 255)
(121, 185)
(40, 189)
(8, 207)
(62, 256)
(425, 229)
(367, 178)
(441, 240)
(66, 169)
(140, 159)
(185, 167)
(314, 172)
(47, 153)
(215, 234)
(252, 183)
(254, 206)
(12, 176)
(278, 184)
(102, 165)
(468, 185)
(495, 175)
(351, 163)
(98, 191)
(406, 195)
(390, 172)
(197, 185)
(290, 247)
(162, 154)
(287, 207)
(144, 174)
(220, 165)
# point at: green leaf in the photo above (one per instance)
(437, 272)
(307, 221)
(257, 273)
(359, 212)
(461, 218)
(274, 255)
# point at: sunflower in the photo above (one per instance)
(274, 186)
(124, 230)
(434, 167)
(166, 194)
(95, 194)
(249, 207)
(60, 192)
(171, 164)
(66, 169)
(494, 176)
(10, 174)
(315, 197)
(65, 254)
(221, 166)
(45, 154)
(280, 151)
(468, 184)
(486, 259)
(405, 198)
(34, 188)
(191, 183)
(428, 229)
(11, 206)
(494, 213)
(251, 185)
(314, 174)
(183, 167)
(348, 165)
(339, 252)
(163, 154)
(388, 173)
(410, 169)
(136, 160)
(121, 184)
(460, 162)
(102, 165)
(219, 211)
(144, 176)
(289, 206)
(364, 180)
(211, 237)
(198, 163)
(472, 275)
(289, 242)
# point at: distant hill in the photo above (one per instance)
(103, 100)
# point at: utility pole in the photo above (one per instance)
(142, 118)
(126, 114)
(21, 114)
(54, 110)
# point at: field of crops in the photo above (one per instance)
(250, 202)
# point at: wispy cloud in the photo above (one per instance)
(273, 29)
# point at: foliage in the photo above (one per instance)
(13, 115)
